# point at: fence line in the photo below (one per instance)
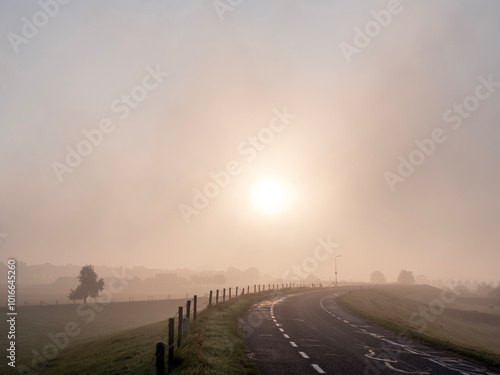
(231, 293)
(184, 319)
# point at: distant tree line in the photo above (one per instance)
(407, 278)
(47, 274)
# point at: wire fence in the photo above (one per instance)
(33, 301)
(41, 302)
(179, 323)
(170, 337)
(170, 346)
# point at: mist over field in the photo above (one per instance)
(250, 187)
(173, 135)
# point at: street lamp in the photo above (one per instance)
(336, 284)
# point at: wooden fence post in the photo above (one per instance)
(179, 328)
(259, 288)
(195, 303)
(210, 299)
(160, 358)
(171, 323)
(217, 297)
(224, 295)
(242, 291)
(188, 309)
(230, 293)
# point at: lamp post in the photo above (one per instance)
(336, 284)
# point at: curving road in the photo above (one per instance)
(310, 333)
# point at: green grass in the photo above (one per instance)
(36, 323)
(213, 345)
(130, 352)
(467, 332)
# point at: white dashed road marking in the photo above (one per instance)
(304, 355)
(318, 369)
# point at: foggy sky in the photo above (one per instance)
(120, 206)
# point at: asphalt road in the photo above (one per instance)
(310, 333)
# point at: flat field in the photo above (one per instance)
(35, 324)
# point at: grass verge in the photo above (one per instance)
(388, 309)
(129, 352)
(215, 344)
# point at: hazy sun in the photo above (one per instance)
(271, 196)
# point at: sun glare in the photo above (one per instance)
(271, 196)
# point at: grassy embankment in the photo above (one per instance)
(214, 344)
(35, 324)
(467, 326)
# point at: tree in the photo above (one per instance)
(90, 285)
(406, 277)
(484, 288)
(219, 279)
(421, 279)
(377, 277)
